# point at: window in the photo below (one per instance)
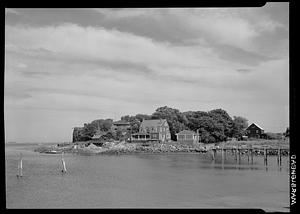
(188, 136)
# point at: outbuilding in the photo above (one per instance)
(254, 131)
(188, 137)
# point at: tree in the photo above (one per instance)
(174, 117)
(239, 126)
(223, 120)
(102, 124)
(142, 117)
(271, 135)
(287, 132)
(88, 131)
(133, 121)
(213, 126)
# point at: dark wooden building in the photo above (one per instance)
(254, 131)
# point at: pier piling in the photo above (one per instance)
(279, 156)
(64, 170)
(20, 166)
(239, 155)
(214, 151)
(235, 154)
(222, 153)
(265, 156)
(248, 151)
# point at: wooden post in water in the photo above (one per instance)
(235, 154)
(279, 155)
(64, 170)
(214, 153)
(248, 155)
(20, 166)
(222, 152)
(251, 150)
(239, 155)
(265, 156)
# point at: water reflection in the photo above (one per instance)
(228, 161)
(247, 162)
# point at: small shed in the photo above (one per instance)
(187, 136)
(96, 137)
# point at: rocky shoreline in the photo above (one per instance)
(117, 148)
(121, 148)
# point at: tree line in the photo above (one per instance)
(213, 126)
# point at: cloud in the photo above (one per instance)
(241, 56)
(202, 60)
(93, 43)
(13, 93)
(245, 32)
(97, 54)
(243, 70)
(125, 13)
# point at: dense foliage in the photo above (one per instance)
(89, 129)
(287, 132)
(239, 126)
(176, 120)
(273, 136)
(213, 126)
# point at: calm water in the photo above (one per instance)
(144, 181)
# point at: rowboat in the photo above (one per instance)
(52, 152)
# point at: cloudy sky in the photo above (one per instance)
(65, 67)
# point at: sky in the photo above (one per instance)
(67, 67)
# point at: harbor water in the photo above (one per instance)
(144, 181)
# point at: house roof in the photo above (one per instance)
(186, 132)
(141, 133)
(96, 136)
(149, 123)
(120, 122)
(256, 125)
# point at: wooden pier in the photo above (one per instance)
(237, 152)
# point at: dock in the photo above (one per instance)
(237, 152)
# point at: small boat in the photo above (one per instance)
(52, 152)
